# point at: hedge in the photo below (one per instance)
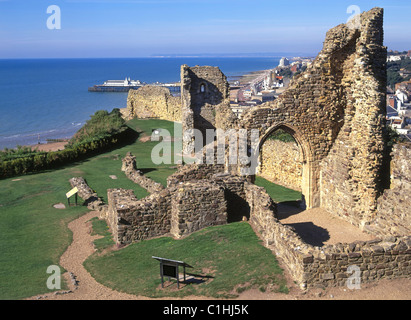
(52, 160)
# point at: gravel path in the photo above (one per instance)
(72, 260)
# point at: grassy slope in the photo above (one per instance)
(33, 234)
(231, 258)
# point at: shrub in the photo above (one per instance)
(101, 125)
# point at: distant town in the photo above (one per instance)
(399, 92)
(266, 85)
(262, 86)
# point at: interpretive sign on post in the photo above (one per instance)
(169, 268)
(70, 194)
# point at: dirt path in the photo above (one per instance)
(87, 288)
(72, 260)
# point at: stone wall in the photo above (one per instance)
(189, 203)
(238, 209)
(185, 206)
(281, 163)
(153, 102)
(335, 111)
(351, 173)
(91, 199)
(196, 206)
(330, 265)
(194, 172)
(205, 101)
(394, 206)
(129, 166)
(132, 220)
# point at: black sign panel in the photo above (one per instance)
(170, 271)
(169, 268)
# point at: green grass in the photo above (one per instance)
(100, 228)
(276, 192)
(231, 259)
(33, 234)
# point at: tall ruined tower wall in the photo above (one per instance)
(351, 173)
(205, 101)
(335, 110)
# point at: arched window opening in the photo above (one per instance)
(281, 167)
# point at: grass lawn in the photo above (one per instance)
(33, 234)
(229, 259)
(278, 193)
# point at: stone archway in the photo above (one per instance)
(309, 177)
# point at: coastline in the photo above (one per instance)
(30, 139)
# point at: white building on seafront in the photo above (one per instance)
(284, 62)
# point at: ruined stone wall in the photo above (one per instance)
(180, 209)
(238, 208)
(91, 199)
(192, 172)
(117, 199)
(335, 111)
(279, 238)
(330, 265)
(205, 101)
(196, 206)
(351, 174)
(132, 220)
(153, 102)
(202, 198)
(394, 206)
(129, 166)
(281, 163)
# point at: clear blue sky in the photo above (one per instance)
(134, 28)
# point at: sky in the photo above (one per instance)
(145, 28)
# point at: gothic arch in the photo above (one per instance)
(310, 174)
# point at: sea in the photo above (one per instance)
(42, 99)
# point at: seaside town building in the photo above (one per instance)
(399, 109)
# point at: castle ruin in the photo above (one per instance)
(335, 111)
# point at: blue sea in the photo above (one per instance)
(49, 99)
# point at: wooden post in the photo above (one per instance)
(178, 276)
(161, 273)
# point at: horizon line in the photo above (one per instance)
(161, 56)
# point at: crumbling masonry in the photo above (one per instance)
(335, 110)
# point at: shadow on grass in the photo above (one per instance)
(197, 278)
(147, 170)
(191, 279)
